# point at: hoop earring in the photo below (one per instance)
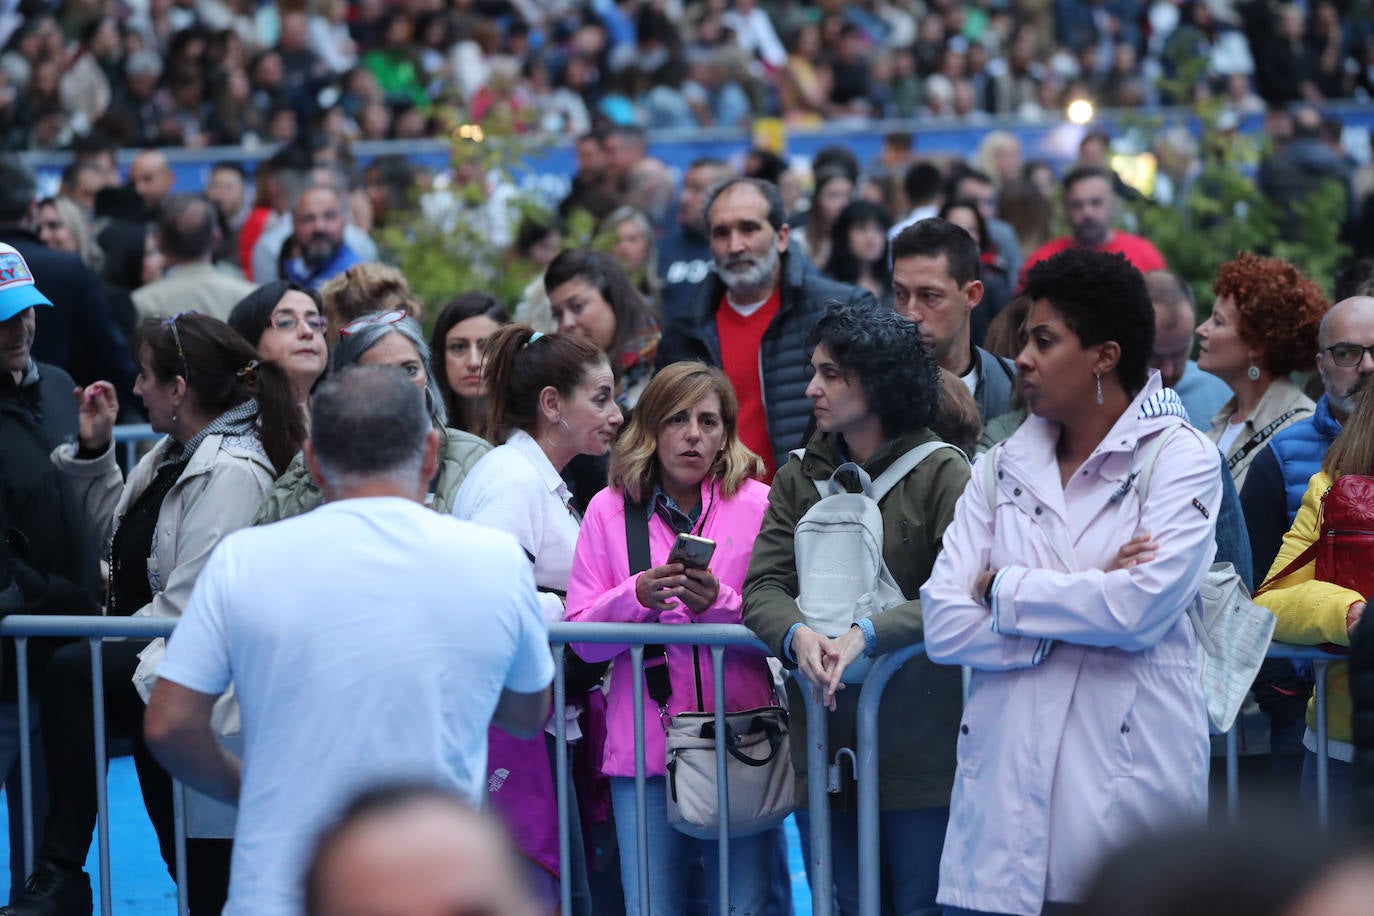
(1099, 387)
(549, 439)
(1253, 372)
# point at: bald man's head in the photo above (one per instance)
(1347, 331)
(151, 177)
(415, 851)
(1175, 320)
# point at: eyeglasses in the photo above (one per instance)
(1348, 355)
(286, 322)
(392, 317)
(176, 336)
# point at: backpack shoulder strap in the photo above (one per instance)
(1147, 467)
(822, 486)
(904, 465)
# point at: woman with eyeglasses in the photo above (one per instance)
(229, 424)
(282, 321)
(461, 334)
(384, 339)
(550, 399)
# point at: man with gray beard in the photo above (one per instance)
(752, 315)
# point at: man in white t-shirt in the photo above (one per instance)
(369, 639)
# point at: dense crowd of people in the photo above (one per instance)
(734, 344)
(217, 72)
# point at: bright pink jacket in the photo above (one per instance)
(601, 589)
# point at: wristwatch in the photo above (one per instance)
(987, 592)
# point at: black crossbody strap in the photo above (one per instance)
(1261, 437)
(637, 546)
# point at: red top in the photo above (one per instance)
(1139, 251)
(252, 227)
(739, 359)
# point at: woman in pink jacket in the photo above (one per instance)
(681, 462)
(1066, 591)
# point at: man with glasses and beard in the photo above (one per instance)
(752, 316)
(316, 250)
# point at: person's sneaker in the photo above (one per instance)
(52, 890)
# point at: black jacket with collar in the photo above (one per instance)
(48, 561)
(783, 366)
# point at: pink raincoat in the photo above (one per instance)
(1085, 723)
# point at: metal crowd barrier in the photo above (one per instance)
(717, 637)
(128, 436)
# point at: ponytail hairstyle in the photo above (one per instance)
(222, 370)
(521, 362)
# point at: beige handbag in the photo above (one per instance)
(758, 767)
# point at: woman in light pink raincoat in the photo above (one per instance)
(1085, 722)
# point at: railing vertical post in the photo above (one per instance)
(102, 801)
(179, 837)
(818, 800)
(722, 777)
(562, 785)
(1233, 772)
(870, 698)
(1323, 763)
(641, 790)
(21, 655)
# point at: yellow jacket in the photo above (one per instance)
(1310, 611)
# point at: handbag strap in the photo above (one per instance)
(1260, 437)
(656, 679)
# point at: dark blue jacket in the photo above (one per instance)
(1278, 478)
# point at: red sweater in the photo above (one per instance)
(739, 359)
(1139, 251)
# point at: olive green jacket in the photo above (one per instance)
(918, 719)
(295, 493)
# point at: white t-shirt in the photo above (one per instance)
(369, 639)
(1229, 435)
(516, 489)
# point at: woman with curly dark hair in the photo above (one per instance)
(1264, 326)
(876, 392)
(1066, 588)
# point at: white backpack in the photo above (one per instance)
(841, 574)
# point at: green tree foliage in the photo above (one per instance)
(1223, 212)
(442, 261)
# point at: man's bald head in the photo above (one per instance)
(415, 851)
(1347, 328)
(151, 177)
(1175, 321)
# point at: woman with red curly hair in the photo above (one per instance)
(1263, 327)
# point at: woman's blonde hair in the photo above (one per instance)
(366, 288)
(1353, 450)
(83, 233)
(634, 458)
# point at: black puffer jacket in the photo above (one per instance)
(782, 354)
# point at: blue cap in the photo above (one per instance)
(17, 291)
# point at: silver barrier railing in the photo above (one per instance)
(127, 436)
(717, 637)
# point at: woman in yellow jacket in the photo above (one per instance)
(1311, 611)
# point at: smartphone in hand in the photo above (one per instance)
(691, 551)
